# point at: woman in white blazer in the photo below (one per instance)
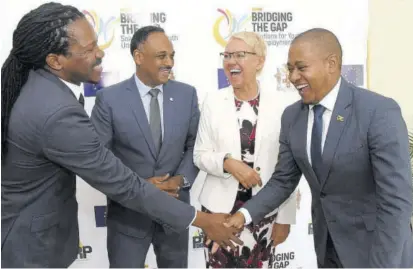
(237, 146)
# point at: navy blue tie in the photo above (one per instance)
(316, 140)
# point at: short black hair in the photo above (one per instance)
(141, 35)
(42, 31)
(324, 38)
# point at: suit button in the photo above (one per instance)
(258, 169)
(322, 195)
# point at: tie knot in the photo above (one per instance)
(318, 110)
(154, 92)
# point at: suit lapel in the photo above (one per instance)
(230, 122)
(338, 122)
(46, 74)
(168, 117)
(300, 132)
(271, 103)
(136, 105)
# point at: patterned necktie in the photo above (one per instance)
(155, 119)
(82, 100)
(316, 140)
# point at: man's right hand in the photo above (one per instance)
(247, 176)
(213, 227)
(161, 182)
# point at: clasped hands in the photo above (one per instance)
(168, 184)
(234, 225)
(223, 229)
(243, 173)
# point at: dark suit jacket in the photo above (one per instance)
(363, 198)
(50, 140)
(121, 122)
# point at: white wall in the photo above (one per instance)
(391, 52)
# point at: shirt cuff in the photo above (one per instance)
(190, 224)
(246, 214)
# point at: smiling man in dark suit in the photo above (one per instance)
(47, 138)
(150, 123)
(351, 144)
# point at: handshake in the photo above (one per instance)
(221, 228)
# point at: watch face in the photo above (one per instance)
(186, 183)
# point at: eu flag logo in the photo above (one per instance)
(100, 215)
(223, 81)
(91, 89)
(353, 74)
(106, 79)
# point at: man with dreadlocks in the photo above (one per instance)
(47, 138)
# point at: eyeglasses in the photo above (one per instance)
(237, 55)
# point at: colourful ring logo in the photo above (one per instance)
(233, 26)
(104, 30)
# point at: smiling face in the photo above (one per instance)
(313, 72)
(82, 63)
(155, 59)
(241, 63)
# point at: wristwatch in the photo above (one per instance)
(186, 184)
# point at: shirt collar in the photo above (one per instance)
(144, 89)
(330, 99)
(77, 90)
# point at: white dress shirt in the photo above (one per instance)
(328, 102)
(76, 89)
(146, 98)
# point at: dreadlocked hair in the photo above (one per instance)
(40, 32)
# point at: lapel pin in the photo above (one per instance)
(340, 118)
(171, 99)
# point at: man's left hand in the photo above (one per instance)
(280, 233)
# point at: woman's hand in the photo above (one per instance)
(247, 176)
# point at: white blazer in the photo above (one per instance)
(218, 134)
